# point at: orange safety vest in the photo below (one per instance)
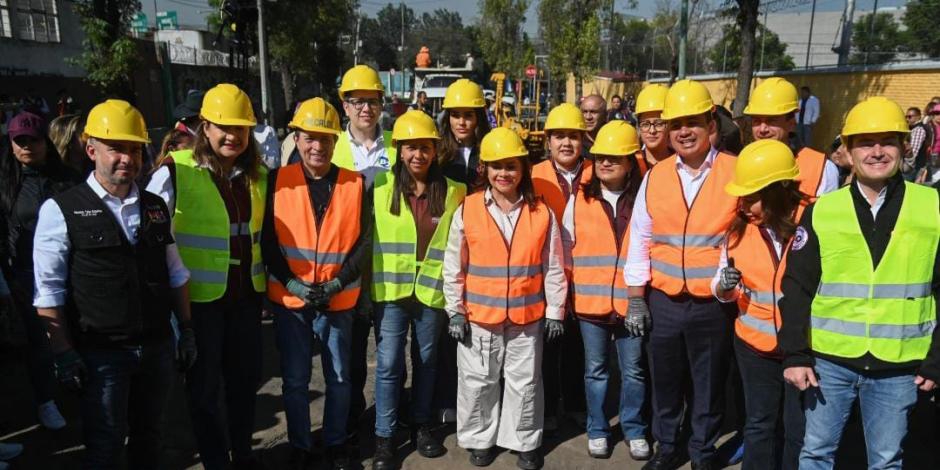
(315, 250)
(545, 183)
(812, 166)
(641, 162)
(597, 264)
(686, 240)
(504, 280)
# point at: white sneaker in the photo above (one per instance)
(49, 416)
(639, 449)
(597, 448)
(449, 415)
(9, 451)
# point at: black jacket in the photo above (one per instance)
(34, 188)
(803, 273)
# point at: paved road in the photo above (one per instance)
(49, 450)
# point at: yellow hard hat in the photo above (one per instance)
(316, 115)
(360, 77)
(651, 98)
(463, 94)
(414, 125)
(761, 163)
(874, 115)
(616, 138)
(227, 105)
(116, 120)
(565, 116)
(773, 97)
(501, 143)
(687, 98)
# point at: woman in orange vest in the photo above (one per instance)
(596, 237)
(750, 270)
(504, 287)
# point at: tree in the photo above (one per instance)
(109, 55)
(920, 18)
(878, 45)
(444, 33)
(570, 32)
(500, 34)
(770, 53)
(381, 37)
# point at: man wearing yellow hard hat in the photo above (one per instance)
(653, 131)
(772, 107)
(676, 229)
(105, 259)
(859, 309)
(315, 239)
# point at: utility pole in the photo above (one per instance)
(845, 44)
(763, 38)
(809, 41)
(402, 47)
(871, 31)
(356, 45)
(683, 36)
(263, 64)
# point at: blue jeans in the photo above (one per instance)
(596, 374)
(295, 335)
(392, 320)
(124, 396)
(885, 400)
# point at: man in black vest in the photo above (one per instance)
(108, 273)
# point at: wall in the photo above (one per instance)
(40, 58)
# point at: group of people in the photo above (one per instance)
(516, 281)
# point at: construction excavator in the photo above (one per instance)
(523, 119)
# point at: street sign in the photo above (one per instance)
(167, 20)
(530, 71)
(139, 23)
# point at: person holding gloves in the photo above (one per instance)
(413, 205)
(596, 236)
(502, 299)
(770, 203)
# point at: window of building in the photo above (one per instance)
(37, 20)
(5, 30)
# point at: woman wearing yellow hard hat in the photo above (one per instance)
(503, 233)
(750, 272)
(413, 206)
(653, 129)
(217, 194)
(463, 127)
(596, 235)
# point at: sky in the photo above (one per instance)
(193, 12)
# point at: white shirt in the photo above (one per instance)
(830, 179)
(369, 157)
(812, 111)
(723, 263)
(266, 137)
(637, 269)
(466, 151)
(879, 201)
(51, 245)
(456, 258)
(162, 185)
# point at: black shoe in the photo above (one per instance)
(530, 460)
(482, 457)
(338, 458)
(248, 463)
(426, 444)
(300, 459)
(704, 465)
(664, 461)
(384, 457)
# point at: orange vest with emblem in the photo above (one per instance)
(504, 280)
(761, 272)
(597, 264)
(545, 183)
(686, 238)
(315, 250)
(812, 166)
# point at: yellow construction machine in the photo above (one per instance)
(521, 118)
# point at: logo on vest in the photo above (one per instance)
(383, 162)
(799, 238)
(155, 215)
(88, 212)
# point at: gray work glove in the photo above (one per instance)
(70, 370)
(300, 289)
(323, 292)
(458, 328)
(186, 349)
(637, 321)
(554, 329)
(730, 277)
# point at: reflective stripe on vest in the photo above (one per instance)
(597, 265)
(545, 183)
(395, 272)
(316, 252)
(812, 167)
(343, 154)
(889, 311)
(202, 229)
(686, 239)
(504, 280)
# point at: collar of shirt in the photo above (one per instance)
(569, 175)
(131, 197)
(709, 161)
(488, 200)
(879, 200)
(379, 137)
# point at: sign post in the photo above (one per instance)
(167, 20)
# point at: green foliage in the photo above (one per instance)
(109, 56)
(775, 55)
(876, 46)
(922, 31)
(504, 46)
(571, 30)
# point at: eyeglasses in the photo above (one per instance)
(910, 116)
(659, 125)
(359, 103)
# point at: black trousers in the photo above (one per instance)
(690, 340)
(771, 404)
(228, 341)
(563, 360)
